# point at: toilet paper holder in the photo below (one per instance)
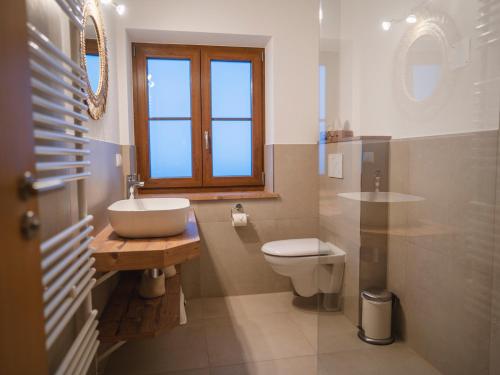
(236, 211)
(238, 207)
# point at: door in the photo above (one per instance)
(22, 341)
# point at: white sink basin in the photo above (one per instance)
(149, 217)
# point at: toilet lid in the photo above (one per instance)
(296, 248)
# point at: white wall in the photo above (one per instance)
(289, 29)
(368, 64)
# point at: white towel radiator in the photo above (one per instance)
(59, 116)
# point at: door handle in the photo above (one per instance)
(207, 140)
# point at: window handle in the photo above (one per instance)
(207, 140)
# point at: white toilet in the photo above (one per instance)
(314, 266)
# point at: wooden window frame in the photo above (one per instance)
(141, 112)
(91, 47)
(201, 119)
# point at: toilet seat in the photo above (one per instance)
(302, 247)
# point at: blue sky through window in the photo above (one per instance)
(231, 88)
(93, 71)
(231, 93)
(170, 149)
(169, 87)
(322, 117)
(169, 96)
(232, 148)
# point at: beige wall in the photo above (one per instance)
(441, 261)
(339, 219)
(441, 250)
(231, 262)
(103, 187)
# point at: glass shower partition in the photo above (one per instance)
(409, 102)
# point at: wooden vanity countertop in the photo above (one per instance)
(114, 253)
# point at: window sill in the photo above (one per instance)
(218, 196)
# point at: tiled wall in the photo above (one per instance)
(104, 187)
(231, 261)
(339, 219)
(441, 258)
(355, 226)
(105, 184)
(441, 250)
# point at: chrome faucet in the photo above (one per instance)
(133, 182)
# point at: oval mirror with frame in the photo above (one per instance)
(94, 58)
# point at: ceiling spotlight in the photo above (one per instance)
(105, 1)
(120, 9)
(411, 19)
(386, 25)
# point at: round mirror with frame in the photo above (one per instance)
(94, 58)
(423, 77)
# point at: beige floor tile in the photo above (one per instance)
(199, 371)
(247, 305)
(180, 349)
(340, 342)
(398, 359)
(269, 334)
(323, 330)
(289, 366)
(337, 333)
(395, 359)
(356, 362)
(194, 309)
(307, 322)
(237, 340)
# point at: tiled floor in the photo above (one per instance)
(265, 334)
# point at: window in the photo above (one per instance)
(322, 117)
(199, 116)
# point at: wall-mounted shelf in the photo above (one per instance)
(381, 197)
(128, 316)
(364, 138)
(114, 253)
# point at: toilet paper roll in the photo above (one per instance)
(239, 219)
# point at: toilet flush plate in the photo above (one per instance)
(335, 165)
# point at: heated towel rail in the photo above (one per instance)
(59, 114)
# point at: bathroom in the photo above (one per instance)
(250, 187)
